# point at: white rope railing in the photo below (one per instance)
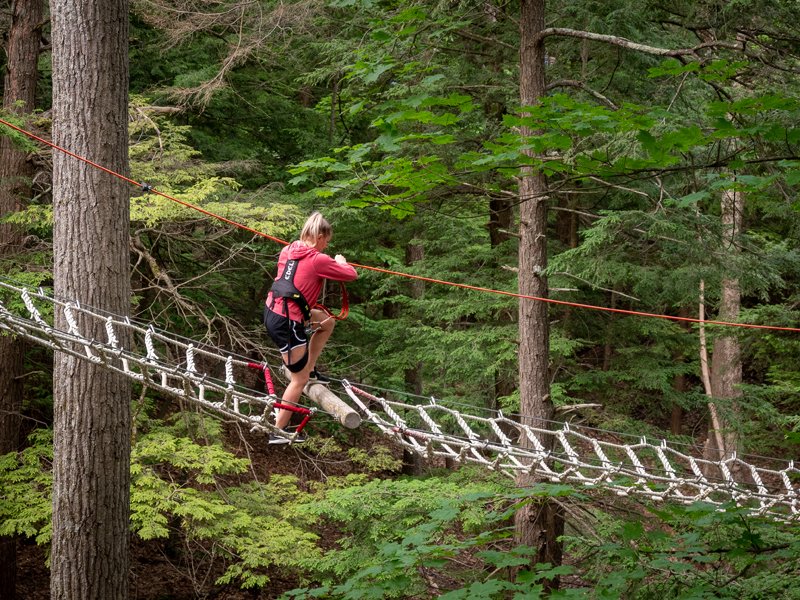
(652, 470)
(146, 360)
(206, 378)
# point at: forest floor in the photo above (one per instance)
(157, 570)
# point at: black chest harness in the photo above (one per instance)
(284, 287)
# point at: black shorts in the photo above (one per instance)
(286, 334)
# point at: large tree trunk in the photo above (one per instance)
(540, 523)
(412, 461)
(19, 95)
(501, 216)
(726, 360)
(91, 468)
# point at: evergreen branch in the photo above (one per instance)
(655, 171)
(575, 211)
(461, 51)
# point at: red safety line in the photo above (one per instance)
(577, 304)
(306, 412)
(298, 409)
(137, 184)
(264, 368)
(399, 273)
(345, 309)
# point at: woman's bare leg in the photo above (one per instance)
(295, 388)
(323, 325)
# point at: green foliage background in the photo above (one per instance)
(400, 122)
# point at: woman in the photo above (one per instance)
(302, 267)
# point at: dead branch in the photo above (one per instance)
(636, 46)
(479, 38)
(574, 83)
(597, 287)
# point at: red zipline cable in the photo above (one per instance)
(345, 308)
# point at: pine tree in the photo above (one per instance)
(19, 97)
(92, 422)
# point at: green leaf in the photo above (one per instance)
(632, 530)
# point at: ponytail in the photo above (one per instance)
(315, 226)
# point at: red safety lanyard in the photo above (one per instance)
(345, 310)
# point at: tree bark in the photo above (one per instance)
(412, 461)
(726, 359)
(679, 383)
(538, 524)
(92, 423)
(501, 216)
(19, 96)
(714, 442)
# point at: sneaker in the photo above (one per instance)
(276, 439)
(317, 377)
(298, 438)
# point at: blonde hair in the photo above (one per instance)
(315, 226)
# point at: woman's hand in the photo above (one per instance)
(340, 259)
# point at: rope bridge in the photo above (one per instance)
(655, 471)
(206, 378)
(151, 357)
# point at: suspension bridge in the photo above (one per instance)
(210, 380)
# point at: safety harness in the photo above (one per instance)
(284, 287)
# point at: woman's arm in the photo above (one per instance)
(334, 268)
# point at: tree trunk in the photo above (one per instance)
(679, 383)
(540, 523)
(726, 360)
(19, 95)
(92, 424)
(412, 461)
(608, 348)
(567, 222)
(501, 214)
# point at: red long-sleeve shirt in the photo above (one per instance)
(313, 267)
